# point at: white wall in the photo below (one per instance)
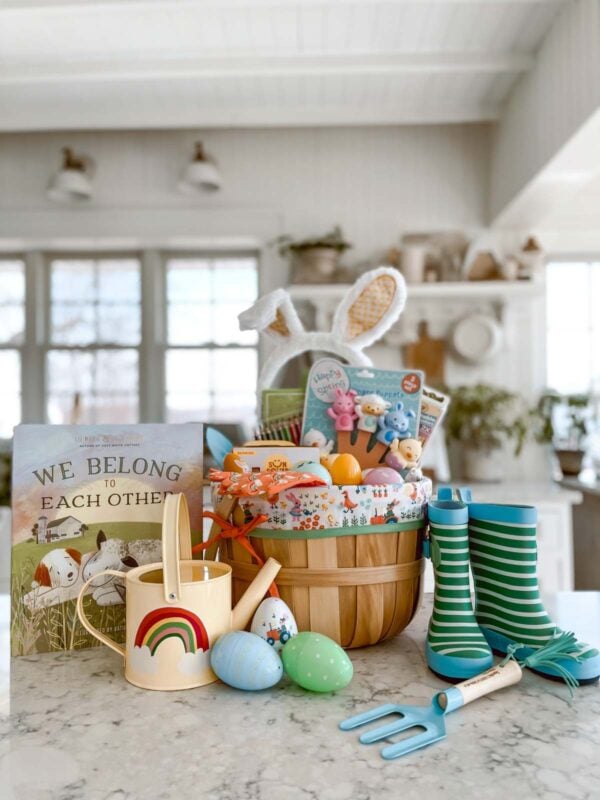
(375, 182)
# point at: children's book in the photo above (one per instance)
(86, 498)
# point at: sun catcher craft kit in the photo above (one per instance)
(333, 522)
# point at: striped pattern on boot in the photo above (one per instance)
(503, 549)
(456, 647)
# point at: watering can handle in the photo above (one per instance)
(176, 543)
(102, 637)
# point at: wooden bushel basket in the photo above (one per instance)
(357, 588)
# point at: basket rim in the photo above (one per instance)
(330, 533)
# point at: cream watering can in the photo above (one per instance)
(175, 611)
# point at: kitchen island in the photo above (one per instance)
(71, 727)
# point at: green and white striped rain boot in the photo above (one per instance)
(456, 648)
(508, 607)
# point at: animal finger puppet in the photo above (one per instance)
(404, 453)
(343, 411)
(315, 438)
(370, 407)
(395, 424)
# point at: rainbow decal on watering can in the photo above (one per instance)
(163, 623)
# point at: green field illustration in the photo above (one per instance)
(86, 499)
(57, 627)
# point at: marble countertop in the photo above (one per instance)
(71, 728)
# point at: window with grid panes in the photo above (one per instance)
(573, 326)
(211, 366)
(12, 338)
(94, 334)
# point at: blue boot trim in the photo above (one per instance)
(584, 671)
(452, 667)
(447, 512)
(495, 512)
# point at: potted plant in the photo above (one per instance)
(564, 423)
(314, 260)
(483, 419)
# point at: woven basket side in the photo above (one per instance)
(355, 615)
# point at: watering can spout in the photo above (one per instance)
(250, 600)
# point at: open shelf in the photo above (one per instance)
(502, 290)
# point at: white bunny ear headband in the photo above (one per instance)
(368, 310)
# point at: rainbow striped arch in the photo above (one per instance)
(164, 623)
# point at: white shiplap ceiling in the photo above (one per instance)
(91, 64)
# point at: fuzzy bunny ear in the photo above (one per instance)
(370, 308)
(273, 314)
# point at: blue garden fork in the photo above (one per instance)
(431, 720)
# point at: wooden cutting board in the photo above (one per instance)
(427, 354)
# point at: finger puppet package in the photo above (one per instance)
(90, 498)
(363, 410)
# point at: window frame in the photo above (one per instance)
(153, 345)
(49, 345)
(564, 258)
(165, 256)
(19, 348)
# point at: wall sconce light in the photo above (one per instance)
(72, 183)
(200, 174)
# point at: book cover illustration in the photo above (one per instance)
(87, 498)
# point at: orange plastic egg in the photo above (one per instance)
(346, 470)
(233, 463)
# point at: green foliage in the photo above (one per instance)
(334, 239)
(485, 416)
(572, 408)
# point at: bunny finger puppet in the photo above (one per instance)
(395, 424)
(342, 410)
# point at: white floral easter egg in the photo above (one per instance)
(274, 622)
(245, 661)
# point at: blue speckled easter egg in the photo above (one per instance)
(316, 662)
(245, 661)
(313, 469)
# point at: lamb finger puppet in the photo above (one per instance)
(366, 312)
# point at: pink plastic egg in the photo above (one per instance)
(382, 475)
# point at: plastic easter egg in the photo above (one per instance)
(245, 661)
(274, 622)
(382, 475)
(327, 460)
(316, 663)
(313, 469)
(233, 463)
(346, 471)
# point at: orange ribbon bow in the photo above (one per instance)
(238, 532)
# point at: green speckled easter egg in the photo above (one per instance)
(316, 662)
